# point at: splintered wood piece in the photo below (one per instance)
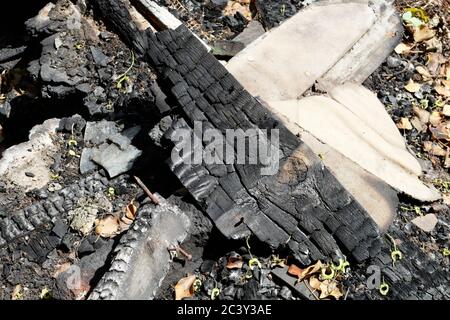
(158, 16)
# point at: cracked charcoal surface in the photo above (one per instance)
(206, 92)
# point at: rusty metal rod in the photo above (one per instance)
(147, 191)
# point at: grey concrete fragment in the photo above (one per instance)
(5, 109)
(116, 161)
(49, 74)
(299, 287)
(99, 132)
(33, 156)
(142, 258)
(159, 129)
(120, 140)
(10, 53)
(253, 31)
(86, 163)
(427, 223)
(132, 132)
(226, 48)
(99, 57)
(42, 19)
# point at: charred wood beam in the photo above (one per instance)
(143, 254)
(302, 206)
(16, 223)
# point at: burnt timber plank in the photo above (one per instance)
(302, 206)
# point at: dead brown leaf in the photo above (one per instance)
(404, 124)
(124, 226)
(440, 132)
(108, 227)
(434, 62)
(185, 288)
(126, 221)
(447, 159)
(424, 73)
(303, 273)
(130, 210)
(403, 48)
(17, 293)
(423, 115)
(434, 45)
(434, 149)
(314, 283)
(417, 124)
(412, 86)
(423, 33)
(446, 110)
(435, 118)
(241, 6)
(330, 288)
(327, 288)
(446, 198)
(446, 83)
(443, 90)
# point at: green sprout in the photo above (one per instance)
(55, 176)
(439, 103)
(45, 294)
(248, 274)
(446, 252)
(275, 260)
(248, 246)
(418, 210)
(424, 103)
(384, 288)
(395, 253)
(72, 153)
(343, 264)
(442, 185)
(124, 76)
(327, 276)
(215, 293)
(197, 285)
(111, 192)
(254, 262)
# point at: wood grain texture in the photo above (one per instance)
(303, 206)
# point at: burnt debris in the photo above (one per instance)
(91, 99)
